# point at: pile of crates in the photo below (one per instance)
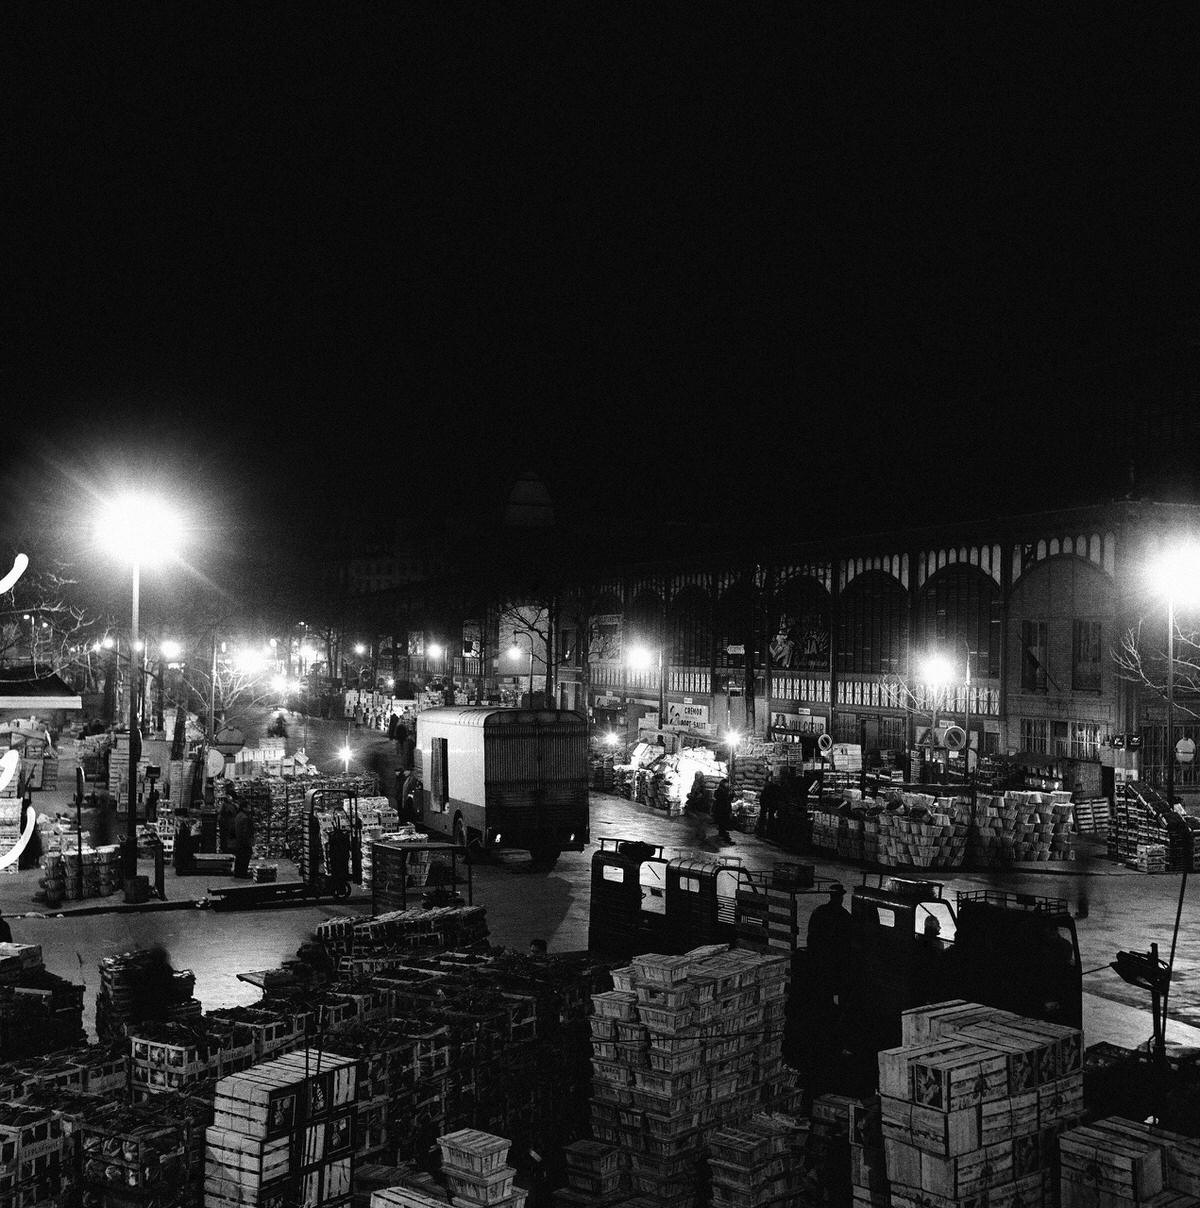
(973, 1102)
(475, 1167)
(122, 1001)
(681, 1046)
(770, 910)
(283, 1133)
(101, 872)
(399, 931)
(595, 1175)
(40, 1012)
(175, 1057)
(1150, 857)
(760, 1161)
(31, 1156)
(134, 1156)
(1118, 1162)
(96, 1070)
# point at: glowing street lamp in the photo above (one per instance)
(170, 649)
(940, 672)
(345, 754)
(141, 530)
(642, 658)
(515, 652)
(1176, 575)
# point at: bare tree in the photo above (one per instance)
(42, 623)
(1142, 659)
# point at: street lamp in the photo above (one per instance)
(939, 671)
(139, 529)
(1176, 574)
(515, 652)
(642, 659)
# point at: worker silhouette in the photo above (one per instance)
(829, 935)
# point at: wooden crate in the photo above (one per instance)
(1133, 1169)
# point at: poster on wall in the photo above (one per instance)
(695, 717)
(472, 639)
(797, 723)
(801, 642)
(416, 642)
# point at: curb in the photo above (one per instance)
(180, 904)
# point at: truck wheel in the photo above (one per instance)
(410, 793)
(545, 856)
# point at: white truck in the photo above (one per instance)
(488, 777)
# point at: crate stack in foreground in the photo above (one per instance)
(1117, 1163)
(283, 1133)
(973, 1103)
(684, 1045)
(39, 1011)
(31, 1156)
(122, 998)
(760, 1161)
(475, 1167)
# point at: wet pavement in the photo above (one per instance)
(1126, 910)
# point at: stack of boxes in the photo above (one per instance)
(122, 996)
(283, 1133)
(759, 1162)
(31, 1156)
(1151, 857)
(595, 1176)
(973, 1102)
(133, 1157)
(176, 1057)
(683, 1045)
(1118, 1162)
(475, 1168)
(101, 872)
(39, 1011)
(769, 907)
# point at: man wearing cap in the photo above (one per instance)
(829, 931)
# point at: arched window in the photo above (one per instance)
(872, 636)
(735, 623)
(690, 628)
(645, 620)
(960, 609)
(799, 626)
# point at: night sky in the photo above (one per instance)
(787, 267)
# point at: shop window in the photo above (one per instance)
(1060, 741)
(606, 638)
(568, 647)
(1086, 657)
(1035, 643)
(1035, 735)
(1085, 740)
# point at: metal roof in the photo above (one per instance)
(491, 715)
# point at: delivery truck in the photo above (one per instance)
(491, 778)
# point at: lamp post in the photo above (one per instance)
(1178, 577)
(642, 659)
(140, 529)
(938, 672)
(515, 652)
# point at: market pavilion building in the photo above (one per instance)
(1026, 614)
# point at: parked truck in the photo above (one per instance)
(489, 778)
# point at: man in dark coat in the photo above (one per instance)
(393, 721)
(768, 807)
(243, 841)
(722, 810)
(829, 936)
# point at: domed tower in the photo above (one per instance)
(529, 504)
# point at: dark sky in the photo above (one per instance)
(782, 263)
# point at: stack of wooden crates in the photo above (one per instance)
(283, 1133)
(973, 1102)
(475, 1166)
(1118, 1162)
(685, 1045)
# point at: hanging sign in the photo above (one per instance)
(695, 716)
(1185, 750)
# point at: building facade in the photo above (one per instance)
(1026, 614)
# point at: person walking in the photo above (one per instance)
(768, 807)
(393, 722)
(243, 841)
(722, 809)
